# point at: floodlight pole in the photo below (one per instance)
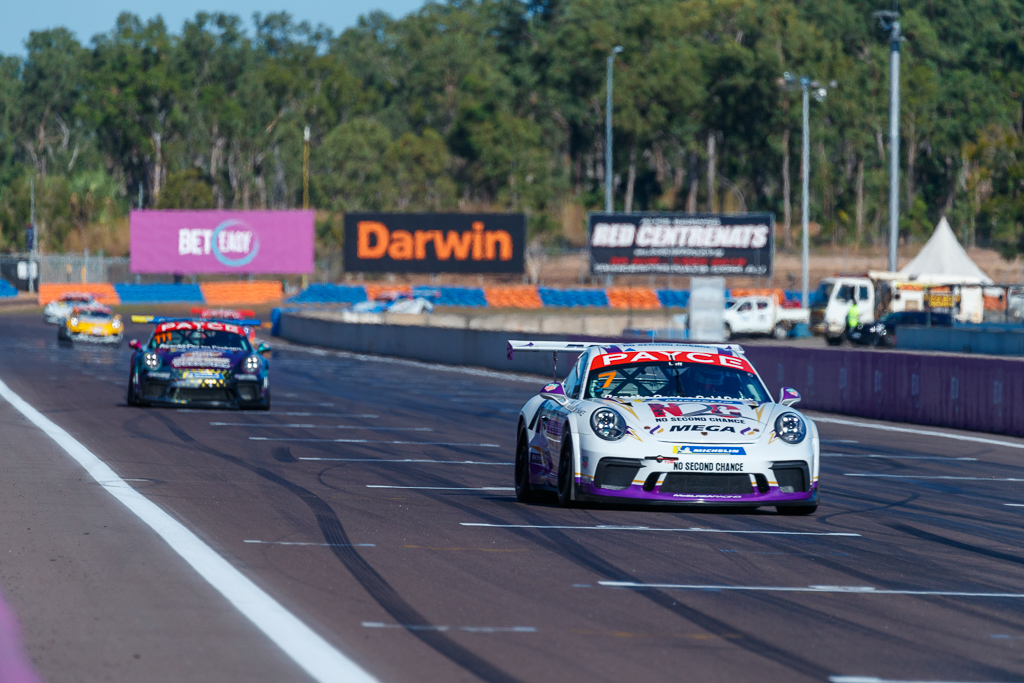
(805, 171)
(305, 184)
(890, 21)
(35, 236)
(608, 204)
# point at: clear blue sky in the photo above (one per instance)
(89, 17)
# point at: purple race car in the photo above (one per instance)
(665, 423)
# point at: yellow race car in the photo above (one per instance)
(91, 323)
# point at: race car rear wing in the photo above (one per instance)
(555, 346)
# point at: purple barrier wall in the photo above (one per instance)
(980, 394)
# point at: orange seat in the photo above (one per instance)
(243, 292)
(103, 291)
(632, 297)
(524, 296)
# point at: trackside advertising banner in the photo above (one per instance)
(435, 242)
(235, 242)
(681, 244)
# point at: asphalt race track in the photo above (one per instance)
(374, 503)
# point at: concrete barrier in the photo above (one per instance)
(998, 340)
(963, 392)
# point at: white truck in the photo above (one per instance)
(762, 315)
(878, 293)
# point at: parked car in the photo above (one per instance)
(883, 332)
(762, 315)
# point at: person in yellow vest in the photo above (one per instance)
(852, 317)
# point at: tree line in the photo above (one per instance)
(499, 105)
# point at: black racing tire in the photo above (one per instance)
(131, 400)
(265, 405)
(780, 332)
(524, 489)
(62, 334)
(566, 476)
(796, 510)
(727, 331)
(834, 341)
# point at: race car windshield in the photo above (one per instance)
(206, 339)
(674, 379)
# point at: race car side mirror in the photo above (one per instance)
(262, 348)
(134, 343)
(554, 392)
(788, 396)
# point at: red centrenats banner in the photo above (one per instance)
(186, 325)
(699, 357)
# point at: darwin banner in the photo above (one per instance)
(435, 242)
(214, 241)
(681, 244)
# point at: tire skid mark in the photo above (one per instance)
(372, 582)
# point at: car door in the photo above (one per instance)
(553, 420)
(763, 319)
(744, 317)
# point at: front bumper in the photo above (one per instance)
(104, 338)
(239, 391)
(699, 480)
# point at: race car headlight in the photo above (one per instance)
(252, 364)
(151, 360)
(608, 424)
(790, 428)
(115, 323)
(73, 322)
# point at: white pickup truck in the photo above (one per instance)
(762, 315)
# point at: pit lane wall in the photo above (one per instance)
(963, 392)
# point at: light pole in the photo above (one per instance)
(608, 206)
(807, 87)
(890, 21)
(305, 184)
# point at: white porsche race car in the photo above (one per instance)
(56, 311)
(665, 424)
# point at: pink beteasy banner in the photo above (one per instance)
(188, 242)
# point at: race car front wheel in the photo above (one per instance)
(566, 476)
(524, 490)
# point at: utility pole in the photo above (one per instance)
(608, 203)
(890, 21)
(32, 229)
(807, 87)
(305, 185)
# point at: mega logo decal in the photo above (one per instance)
(701, 428)
(233, 243)
(698, 357)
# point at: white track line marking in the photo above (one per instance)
(306, 648)
(408, 460)
(873, 679)
(696, 529)
(860, 590)
(328, 545)
(914, 476)
(323, 404)
(444, 488)
(1015, 505)
(467, 629)
(311, 426)
(403, 443)
(923, 432)
(893, 457)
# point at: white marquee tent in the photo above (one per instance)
(943, 260)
